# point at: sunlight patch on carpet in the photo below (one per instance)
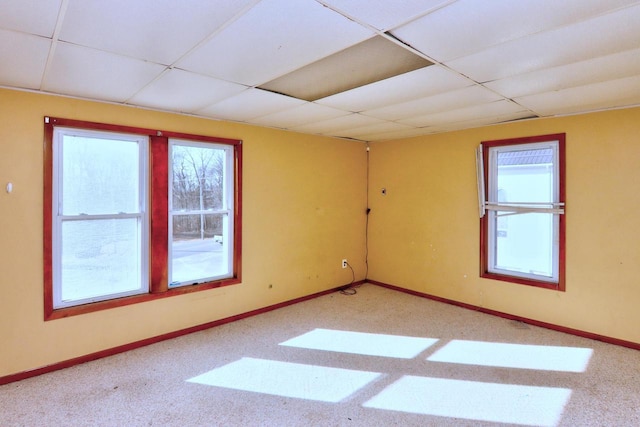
(540, 357)
(286, 379)
(397, 346)
(501, 403)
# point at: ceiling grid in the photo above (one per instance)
(488, 62)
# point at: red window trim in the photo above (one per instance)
(484, 222)
(158, 210)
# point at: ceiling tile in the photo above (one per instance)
(383, 14)
(485, 110)
(250, 104)
(415, 84)
(156, 30)
(606, 34)
(23, 58)
(90, 73)
(610, 67)
(366, 131)
(331, 126)
(298, 116)
(471, 95)
(30, 16)
(614, 93)
(353, 67)
(467, 26)
(182, 91)
(272, 39)
(484, 121)
(399, 134)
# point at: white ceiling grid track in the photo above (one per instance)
(483, 62)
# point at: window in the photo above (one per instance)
(134, 214)
(100, 216)
(521, 195)
(201, 212)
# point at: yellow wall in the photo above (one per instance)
(303, 212)
(304, 202)
(424, 234)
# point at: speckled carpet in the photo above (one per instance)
(376, 358)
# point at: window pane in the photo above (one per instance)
(525, 176)
(198, 178)
(99, 176)
(100, 257)
(524, 243)
(199, 248)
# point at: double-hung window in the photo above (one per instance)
(522, 206)
(100, 218)
(133, 214)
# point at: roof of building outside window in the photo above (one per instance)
(525, 157)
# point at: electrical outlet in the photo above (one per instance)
(344, 263)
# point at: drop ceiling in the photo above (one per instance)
(482, 62)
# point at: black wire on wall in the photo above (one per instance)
(350, 289)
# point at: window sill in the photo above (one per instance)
(61, 313)
(557, 286)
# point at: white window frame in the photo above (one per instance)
(496, 208)
(227, 211)
(59, 217)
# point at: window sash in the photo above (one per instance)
(515, 208)
(493, 262)
(60, 290)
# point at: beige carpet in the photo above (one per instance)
(377, 358)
